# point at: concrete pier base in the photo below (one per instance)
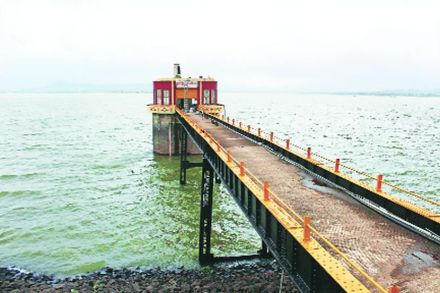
(166, 132)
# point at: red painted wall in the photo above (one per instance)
(161, 85)
(209, 85)
(199, 98)
(167, 85)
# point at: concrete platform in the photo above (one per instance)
(166, 132)
(386, 251)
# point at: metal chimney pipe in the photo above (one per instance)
(177, 70)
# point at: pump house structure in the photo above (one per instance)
(188, 94)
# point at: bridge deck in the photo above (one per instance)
(386, 251)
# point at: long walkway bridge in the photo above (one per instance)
(329, 231)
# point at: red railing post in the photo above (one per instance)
(241, 168)
(227, 119)
(259, 131)
(228, 157)
(287, 143)
(309, 153)
(249, 128)
(239, 124)
(223, 117)
(218, 146)
(306, 228)
(379, 183)
(233, 122)
(394, 289)
(337, 162)
(265, 190)
(271, 136)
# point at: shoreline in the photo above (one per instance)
(256, 276)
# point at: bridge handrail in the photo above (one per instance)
(287, 208)
(384, 182)
(290, 211)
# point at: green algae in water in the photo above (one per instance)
(80, 188)
(97, 195)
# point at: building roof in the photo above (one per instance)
(186, 79)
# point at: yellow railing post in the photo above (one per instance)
(379, 183)
(337, 163)
(306, 228)
(265, 190)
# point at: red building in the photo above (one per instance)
(190, 95)
(186, 93)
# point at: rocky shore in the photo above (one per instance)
(239, 277)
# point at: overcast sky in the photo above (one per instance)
(329, 45)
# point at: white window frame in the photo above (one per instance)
(213, 97)
(205, 96)
(166, 97)
(159, 96)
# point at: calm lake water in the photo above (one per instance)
(80, 188)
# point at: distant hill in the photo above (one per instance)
(65, 87)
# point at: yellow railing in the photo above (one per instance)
(161, 109)
(269, 136)
(273, 197)
(215, 110)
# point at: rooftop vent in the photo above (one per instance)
(177, 70)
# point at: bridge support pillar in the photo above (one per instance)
(205, 255)
(184, 163)
(264, 251)
(183, 155)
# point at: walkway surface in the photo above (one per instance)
(386, 251)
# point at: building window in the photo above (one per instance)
(213, 97)
(159, 96)
(166, 97)
(205, 96)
